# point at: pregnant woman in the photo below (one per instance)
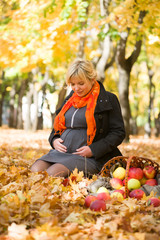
(87, 129)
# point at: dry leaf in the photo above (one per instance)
(17, 232)
(51, 210)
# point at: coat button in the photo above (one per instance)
(99, 116)
(100, 130)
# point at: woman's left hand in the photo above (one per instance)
(84, 151)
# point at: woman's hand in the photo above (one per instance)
(84, 151)
(57, 144)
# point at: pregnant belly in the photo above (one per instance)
(74, 138)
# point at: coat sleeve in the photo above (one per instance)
(115, 133)
(52, 136)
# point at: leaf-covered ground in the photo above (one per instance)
(34, 206)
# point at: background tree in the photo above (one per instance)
(50, 34)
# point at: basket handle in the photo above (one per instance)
(126, 175)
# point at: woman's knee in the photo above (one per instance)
(58, 170)
(39, 166)
(35, 167)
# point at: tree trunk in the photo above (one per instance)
(124, 68)
(61, 97)
(2, 95)
(82, 38)
(43, 86)
(133, 121)
(157, 125)
(105, 46)
(35, 102)
(35, 90)
(40, 113)
(1, 106)
(124, 78)
(106, 49)
(29, 96)
(21, 92)
(151, 100)
(12, 120)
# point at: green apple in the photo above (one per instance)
(102, 189)
(133, 184)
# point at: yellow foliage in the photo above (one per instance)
(37, 35)
(38, 206)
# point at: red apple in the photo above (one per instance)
(149, 171)
(103, 196)
(151, 182)
(116, 183)
(154, 201)
(136, 173)
(98, 205)
(136, 193)
(89, 199)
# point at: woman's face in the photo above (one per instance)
(81, 87)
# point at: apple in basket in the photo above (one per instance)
(151, 182)
(136, 193)
(116, 183)
(133, 184)
(136, 173)
(143, 180)
(149, 171)
(119, 173)
(124, 180)
(120, 191)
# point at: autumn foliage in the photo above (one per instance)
(37, 206)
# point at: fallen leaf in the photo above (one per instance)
(17, 232)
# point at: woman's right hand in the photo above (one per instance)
(57, 144)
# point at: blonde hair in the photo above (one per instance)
(82, 69)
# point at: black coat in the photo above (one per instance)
(110, 127)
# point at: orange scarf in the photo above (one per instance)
(78, 102)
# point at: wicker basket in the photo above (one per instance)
(133, 161)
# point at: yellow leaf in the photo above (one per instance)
(76, 175)
(45, 211)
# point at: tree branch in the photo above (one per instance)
(132, 59)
